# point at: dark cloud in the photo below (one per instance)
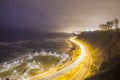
(58, 15)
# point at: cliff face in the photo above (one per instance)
(108, 42)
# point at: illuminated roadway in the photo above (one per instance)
(71, 66)
(84, 67)
(80, 73)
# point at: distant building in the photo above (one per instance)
(103, 26)
(109, 25)
(116, 23)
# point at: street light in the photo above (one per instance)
(87, 30)
(14, 71)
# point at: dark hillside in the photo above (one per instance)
(108, 43)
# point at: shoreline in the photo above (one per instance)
(23, 55)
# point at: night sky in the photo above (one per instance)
(57, 15)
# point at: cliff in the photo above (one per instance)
(108, 43)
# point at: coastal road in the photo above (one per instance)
(84, 57)
(82, 71)
(84, 67)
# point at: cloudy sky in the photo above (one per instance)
(57, 15)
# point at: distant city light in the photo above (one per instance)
(113, 27)
(87, 30)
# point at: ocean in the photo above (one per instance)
(16, 45)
